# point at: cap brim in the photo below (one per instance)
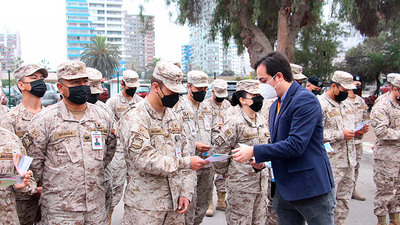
(253, 92)
(74, 77)
(201, 85)
(348, 86)
(96, 90)
(299, 76)
(223, 94)
(177, 88)
(133, 85)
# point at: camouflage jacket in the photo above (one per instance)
(66, 161)
(240, 129)
(16, 120)
(157, 158)
(337, 118)
(361, 110)
(119, 104)
(218, 114)
(385, 118)
(3, 110)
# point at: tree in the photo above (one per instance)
(318, 46)
(227, 73)
(102, 56)
(150, 67)
(16, 63)
(44, 64)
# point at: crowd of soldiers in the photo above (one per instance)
(84, 151)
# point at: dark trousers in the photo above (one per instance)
(318, 210)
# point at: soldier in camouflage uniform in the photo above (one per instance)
(197, 119)
(361, 111)
(246, 186)
(3, 109)
(160, 182)
(339, 123)
(389, 78)
(218, 105)
(10, 143)
(298, 75)
(30, 81)
(71, 143)
(119, 104)
(385, 118)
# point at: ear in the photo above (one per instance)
(20, 86)
(242, 101)
(154, 86)
(60, 88)
(280, 76)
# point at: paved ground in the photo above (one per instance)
(360, 212)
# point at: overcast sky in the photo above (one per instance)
(42, 26)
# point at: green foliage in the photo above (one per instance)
(16, 63)
(228, 73)
(44, 64)
(102, 56)
(317, 47)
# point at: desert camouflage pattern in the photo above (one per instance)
(385, 119)
(28, 70)
(133, 215)
(157, 157)
(71, 70)
(383, 96)
(344, 186)
(242, 178)
(8, 211)
(250, 86)
(3, 110)
(131, 78)
(60, 217)
(64, 161)
(171, 75)
(198, 78)
(119, 104)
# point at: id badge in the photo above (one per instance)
(97, 140)
(178, 152)
(192, 127)
(206, 124)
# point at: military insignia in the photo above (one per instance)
(8, 199)
(34, 133)
(334, 113)
(201, 117)
(27, 141)
(167, 136)
(62, 134)
(250, 135)
(121, 109)
(175, 129)
(142, 131)
(20, 134)
(86, 138)
(98, 125)
(207, 112)
(6, 156)
(137, 143)
(156, 132)
(219, 140)
(228, 133)
(103, 131)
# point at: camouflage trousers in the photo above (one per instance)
(201, 197)
(220, 183)
(246, 208)
(8, 209)
(61, 217)
(359, 153)
(28, 210)
(387, 181)
(137, 216)
(117, 168)
(344, 181)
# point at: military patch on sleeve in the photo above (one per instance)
(219, 140)
(6, 156)
(137, 143)
(87, 138)
(34, 133)
(142, 131)
(228, 133)
(27, 141)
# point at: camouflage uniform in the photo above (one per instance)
(385, 118)
(17, 121)
(119, 104)
(339, 117)
(3, 110)
(8, 211)
(246, 188)
(157, 173)
(65, 161)
(361, 110)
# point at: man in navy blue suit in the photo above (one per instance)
(303, 175)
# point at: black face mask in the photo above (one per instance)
(79, 94)
(315, 92)
(169, 100)
(198, 96)
(93, 98)
(130, 91)
(219, 99)
(257, 103)
(38, 88)
(357, 91)
(341, 96)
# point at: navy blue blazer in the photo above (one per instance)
(299, 159)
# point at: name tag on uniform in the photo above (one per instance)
(97, 140)
(207, 124)
(178, 152)
(192, 127)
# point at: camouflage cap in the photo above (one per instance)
(28, 70)
(131, 78)
(250, 86)
(198, 78)
(220, 88)
(95, 80)
(71, 70)
(396, 81)
(297, 72)
(344, 79)
(391, 76)
(171, 76)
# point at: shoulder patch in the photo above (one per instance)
(27, 141)
(137, 143)
(142, 131)
(228, 132)
(34, 133)
(219, 140)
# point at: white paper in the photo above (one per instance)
(21, 162)
(361, 126)
(328, 147)
(217, 157)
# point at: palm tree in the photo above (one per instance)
(101, 55)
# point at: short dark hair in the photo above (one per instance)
(276, 62)
(153, 79)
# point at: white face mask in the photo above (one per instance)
(267, 91)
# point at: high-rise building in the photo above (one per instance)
(10, 49)
(139, 41)
(210, 55)
(186, 58)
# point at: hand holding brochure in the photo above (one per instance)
(217, 157)
(21, 164)
(361, 126)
